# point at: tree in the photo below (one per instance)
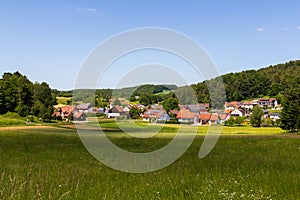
(43, 101)
(145, 99)
(135, 113)
(256, 116)
(132, 98)
(239, 120)
(15, 94)
(116, 102)
(230, 122)
(170, 104)
(290, 115)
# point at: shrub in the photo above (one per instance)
(12, 115)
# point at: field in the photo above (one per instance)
(62, 101)
(246, 163)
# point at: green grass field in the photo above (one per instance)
(62, 101)
(52, 163)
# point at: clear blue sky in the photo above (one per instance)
(48, 40)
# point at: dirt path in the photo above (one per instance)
(69, 126)
(9, 128)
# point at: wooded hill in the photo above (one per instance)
(272, 81)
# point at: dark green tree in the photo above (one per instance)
(135, 113)
(145, 99)
(290, 115)
(256, 116)
(43, 101)
(170, 104)
(15, 94)
(239, 120)
(230, 122)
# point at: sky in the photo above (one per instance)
(50, 40)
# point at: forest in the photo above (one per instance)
(19, 95)
(273, 81)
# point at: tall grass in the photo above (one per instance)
(11, 119)
(53, 164)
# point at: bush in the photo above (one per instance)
(11, 122)
(12, 115)
(173, 121)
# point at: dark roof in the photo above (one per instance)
(84, 106)
(78, 114)
(116, 109)
(275, 114)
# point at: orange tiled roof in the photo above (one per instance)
(204, 116)
(214, 117)
(186, 114)
(67, 110)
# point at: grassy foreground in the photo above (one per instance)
(53, 164)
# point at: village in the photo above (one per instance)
(197, 114)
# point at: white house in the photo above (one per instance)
(238, 112)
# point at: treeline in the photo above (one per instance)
(148, 94)
(273, 81)
(19, 95)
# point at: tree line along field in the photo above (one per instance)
(52, 163)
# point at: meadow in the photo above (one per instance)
(52, 163)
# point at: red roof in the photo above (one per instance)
(247, 103)
(186, 114)
(214, 117)
(233, 104)
(267, 99)
(174, 112)
(116, 109)
(78, 114)
(65, 111)
(204, 116)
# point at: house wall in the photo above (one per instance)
(112, 115)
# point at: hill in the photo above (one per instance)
(272, 81)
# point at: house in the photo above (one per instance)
(205, 105)
(274, 116)
(224, 117)
(92, 110)
(215, 118)
(140, 106)
(267, 102)
(247, 105)
(265, 114)
(100, 110)
(83, 107)
(126, 109)
(232, 105)
(65, 113)
(238, 112)
(186, 116)
(204, 118)
(152, 115)
(212, 118)
(116, 111)
(79, 116)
